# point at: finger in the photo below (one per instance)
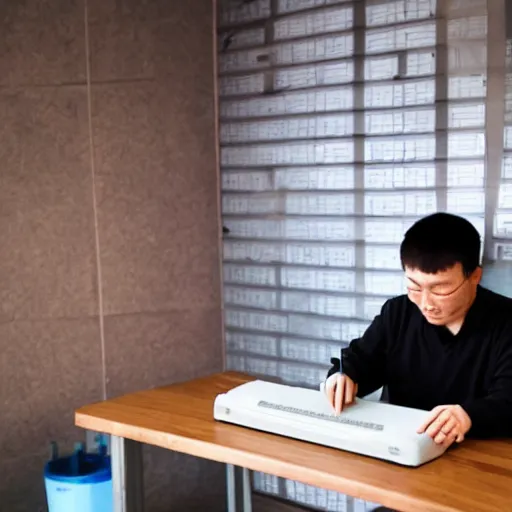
(449, 439)
(436, 426)
(447, 433)
(330, 387)
(463, 419)
(329, 392)
(460, 437)
(340, 393)
(349, 391)
(434, 413)
(440, 438)
(450, 425)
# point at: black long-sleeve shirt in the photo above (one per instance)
(423, 365)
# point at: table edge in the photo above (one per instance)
(255, 462)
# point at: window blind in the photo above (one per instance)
(503, 213)
(341, 123)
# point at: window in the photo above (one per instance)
(341, 123)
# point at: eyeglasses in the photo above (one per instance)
(417, 292)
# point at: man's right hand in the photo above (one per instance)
(340, 390)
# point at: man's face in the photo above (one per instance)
(444, 297)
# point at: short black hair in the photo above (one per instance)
(440, 241)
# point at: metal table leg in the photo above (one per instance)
(247, 491)
(231, 478)
(231, 487)
(127, 475)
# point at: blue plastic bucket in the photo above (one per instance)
(81, 482)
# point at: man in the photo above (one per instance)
(445, 346)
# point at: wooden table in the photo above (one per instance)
(475, 476)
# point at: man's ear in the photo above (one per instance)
(476, 276)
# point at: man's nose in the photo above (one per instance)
(425, 300)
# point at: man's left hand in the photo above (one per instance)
(446, 424)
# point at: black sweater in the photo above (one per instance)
(422, 365)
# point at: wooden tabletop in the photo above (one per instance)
(475, 476)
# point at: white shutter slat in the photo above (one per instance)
(334, 140)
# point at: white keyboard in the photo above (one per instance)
(369, 428)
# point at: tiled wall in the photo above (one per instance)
(109, 264)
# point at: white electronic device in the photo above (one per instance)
(375, 429)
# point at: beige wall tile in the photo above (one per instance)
(47, 255)
(49, 368)
(157, 199)
(147, 350)
(42, 42)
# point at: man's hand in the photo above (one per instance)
(446, 424)
(340, 390)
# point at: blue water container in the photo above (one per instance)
(81, 482)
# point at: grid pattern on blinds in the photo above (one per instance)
(341, 123)
(503, 213)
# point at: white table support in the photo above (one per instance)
(247, 490)
(231, 480)
(231, 487)
(127, 475)
(128, 481)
